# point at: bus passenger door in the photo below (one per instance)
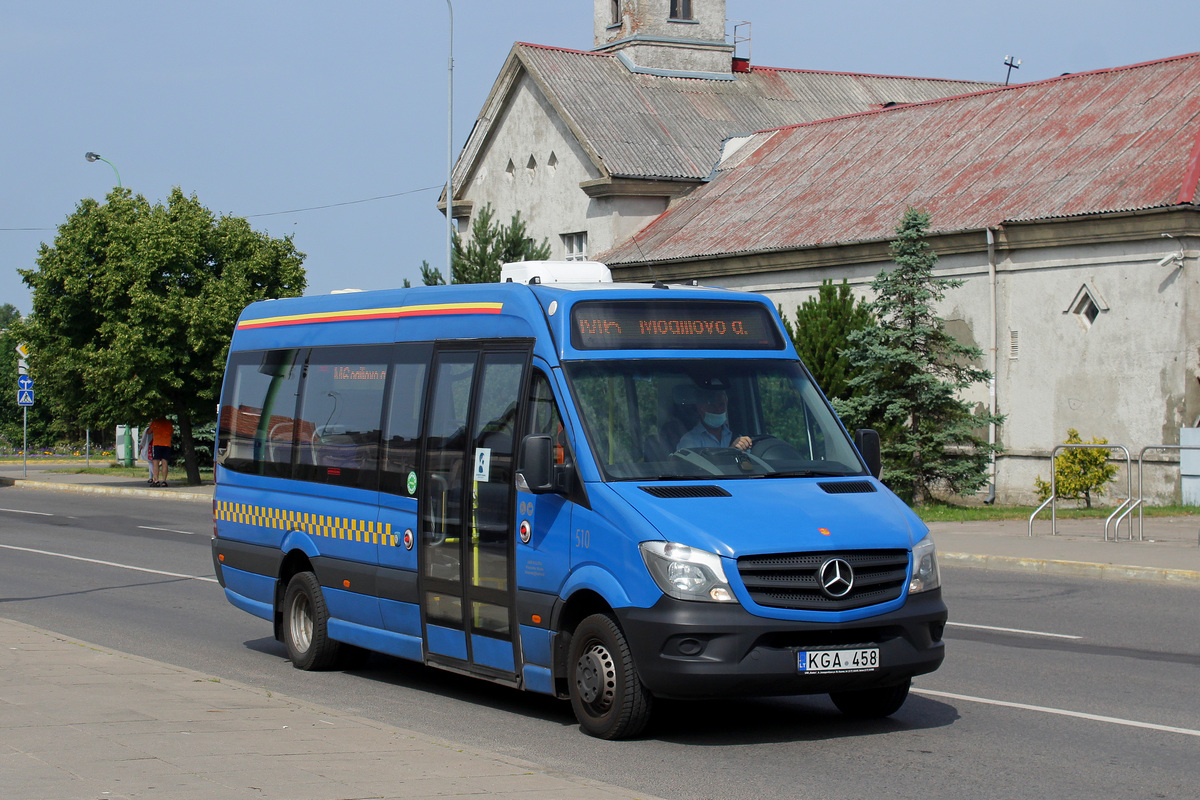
(466, 507)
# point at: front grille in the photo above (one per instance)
(685, 491)
(791, 580)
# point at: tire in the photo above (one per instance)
(305, 617)
(871, 703)
(607, 696)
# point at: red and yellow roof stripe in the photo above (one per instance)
(357, 315)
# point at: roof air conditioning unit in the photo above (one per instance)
(555, 272)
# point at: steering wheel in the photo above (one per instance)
(769, 448)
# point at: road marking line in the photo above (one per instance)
(1061, 712)
(19, 511)
(109, 563)
(167, 530)
(1014, 630)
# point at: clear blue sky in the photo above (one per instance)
(263, 106)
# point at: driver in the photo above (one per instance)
(713, 428)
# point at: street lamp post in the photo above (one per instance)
(90, 156)
(93, 157)
(450, 149)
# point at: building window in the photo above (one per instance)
(615, 17)
(1014, 344)
(681, 9)
(1086, 308)
(575, 246)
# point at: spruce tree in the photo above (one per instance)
(820, 333)
(912, 374)
(478, 260)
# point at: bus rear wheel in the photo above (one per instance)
(607, 696)
(305, 620)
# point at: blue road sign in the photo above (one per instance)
(25, 397)
(24, 382)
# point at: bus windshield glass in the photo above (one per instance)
(671, 419)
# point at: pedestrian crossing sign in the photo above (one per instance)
(25, 397)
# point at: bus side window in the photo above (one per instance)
(338, 421)
(258, 409)
(544, 416)
(402, 436)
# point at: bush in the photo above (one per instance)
(1079, 472)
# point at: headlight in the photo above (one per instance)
(925, 567)
(686, 573)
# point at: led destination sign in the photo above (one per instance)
(673, 325)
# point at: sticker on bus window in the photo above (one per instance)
(412, 482)
(483, 464)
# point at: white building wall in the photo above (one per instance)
(1128, 377)
(547, 166)
(548, 194)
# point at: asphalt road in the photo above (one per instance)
(1093, 693)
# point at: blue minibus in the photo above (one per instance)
(608, 493)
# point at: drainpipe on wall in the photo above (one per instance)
(991, 249)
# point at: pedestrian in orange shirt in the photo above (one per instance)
(162, 431)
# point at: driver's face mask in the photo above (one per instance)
(715, 420)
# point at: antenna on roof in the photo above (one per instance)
(657, 283)
(1012, 64)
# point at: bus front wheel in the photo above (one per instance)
(305, 617)
(607, 696)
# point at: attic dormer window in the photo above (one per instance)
(681, 9)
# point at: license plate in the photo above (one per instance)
(861, 660)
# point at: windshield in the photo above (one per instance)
(688, 418)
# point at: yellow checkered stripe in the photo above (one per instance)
(354, 530)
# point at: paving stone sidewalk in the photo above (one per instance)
(82, 721)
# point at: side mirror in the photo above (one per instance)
(535, 470)
(867, 442)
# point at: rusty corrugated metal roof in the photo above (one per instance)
(1112, 140)
(649, 126)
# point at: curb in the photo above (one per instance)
(1078, 569)
(24, 483)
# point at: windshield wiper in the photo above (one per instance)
(807, 473)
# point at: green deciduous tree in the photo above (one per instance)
(820, 333)
(478, 260)
(134, 305)
(912, 372)
(1079, 472)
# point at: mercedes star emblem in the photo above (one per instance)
(837, 578)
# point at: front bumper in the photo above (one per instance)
(688, 649)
